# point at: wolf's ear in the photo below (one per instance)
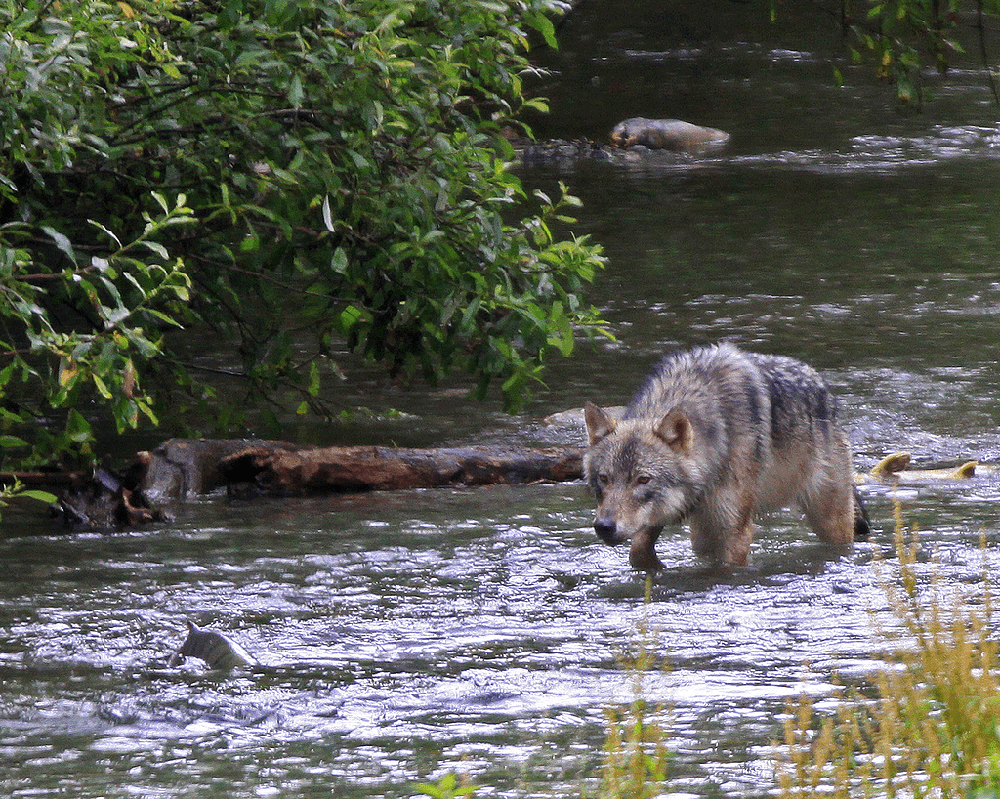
(599, 424)
(676, 431)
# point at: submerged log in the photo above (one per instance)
(286, 471)
(45, 479)
(105, 502)
(893, 469)
(181, 467)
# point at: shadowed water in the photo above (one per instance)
(407, 634)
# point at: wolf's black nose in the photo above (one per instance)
(605, 528)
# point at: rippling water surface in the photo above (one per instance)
(408, 634)
(404, 635)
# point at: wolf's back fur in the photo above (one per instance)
(715, 436)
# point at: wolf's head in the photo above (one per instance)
(644, 473)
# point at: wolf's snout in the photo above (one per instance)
(606, 529)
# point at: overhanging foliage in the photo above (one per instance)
(290, 174)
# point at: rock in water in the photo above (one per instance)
(218, 651)
(667, 134)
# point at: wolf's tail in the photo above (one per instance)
(862, 525)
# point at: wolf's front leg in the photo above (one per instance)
(738, 543)
(722, 529)
(642, 555)
(706, 540)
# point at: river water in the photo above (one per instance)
(408, 634)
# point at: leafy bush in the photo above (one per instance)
(905, 37)
(289, 175)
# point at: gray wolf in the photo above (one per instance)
(714, 437)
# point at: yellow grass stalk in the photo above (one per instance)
(635, 754)
(929, 725)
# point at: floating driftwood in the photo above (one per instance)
(893, 469)
(668, 134)
(180, 468)
(107, 501)
(285, 471)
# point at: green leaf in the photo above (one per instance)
(78, 429)
(157, 248)
(338, 262)
(328, 216)
(295, 92)
(161, 201)
(101, 386)
(62, 242)
(314, 381)
(544, 26)
(40, 496)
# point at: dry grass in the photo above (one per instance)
(635, 755)
(930, 725)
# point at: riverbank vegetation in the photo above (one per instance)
(907, 40)
(924, 724)
(928, 724)
(286, 180)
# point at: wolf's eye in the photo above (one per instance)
(643, 479)
(603, 479)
